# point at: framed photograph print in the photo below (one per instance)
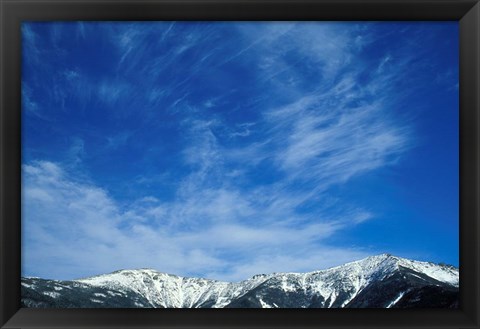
(239, 164)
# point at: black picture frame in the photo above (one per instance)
(13, 12)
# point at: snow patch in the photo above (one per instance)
(396, 300)
(264, 305)
(51, 294)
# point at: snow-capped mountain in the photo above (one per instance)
(382, 281)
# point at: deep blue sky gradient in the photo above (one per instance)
(225, 149)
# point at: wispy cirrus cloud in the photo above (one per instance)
(334, 146)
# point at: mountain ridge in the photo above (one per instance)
(377, 281)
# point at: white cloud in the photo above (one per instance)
(78, 229)
(331, 147)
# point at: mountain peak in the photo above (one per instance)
(377, 281)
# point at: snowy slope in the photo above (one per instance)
(444, 273)
(166, 290)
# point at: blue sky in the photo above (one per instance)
(227, 149)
